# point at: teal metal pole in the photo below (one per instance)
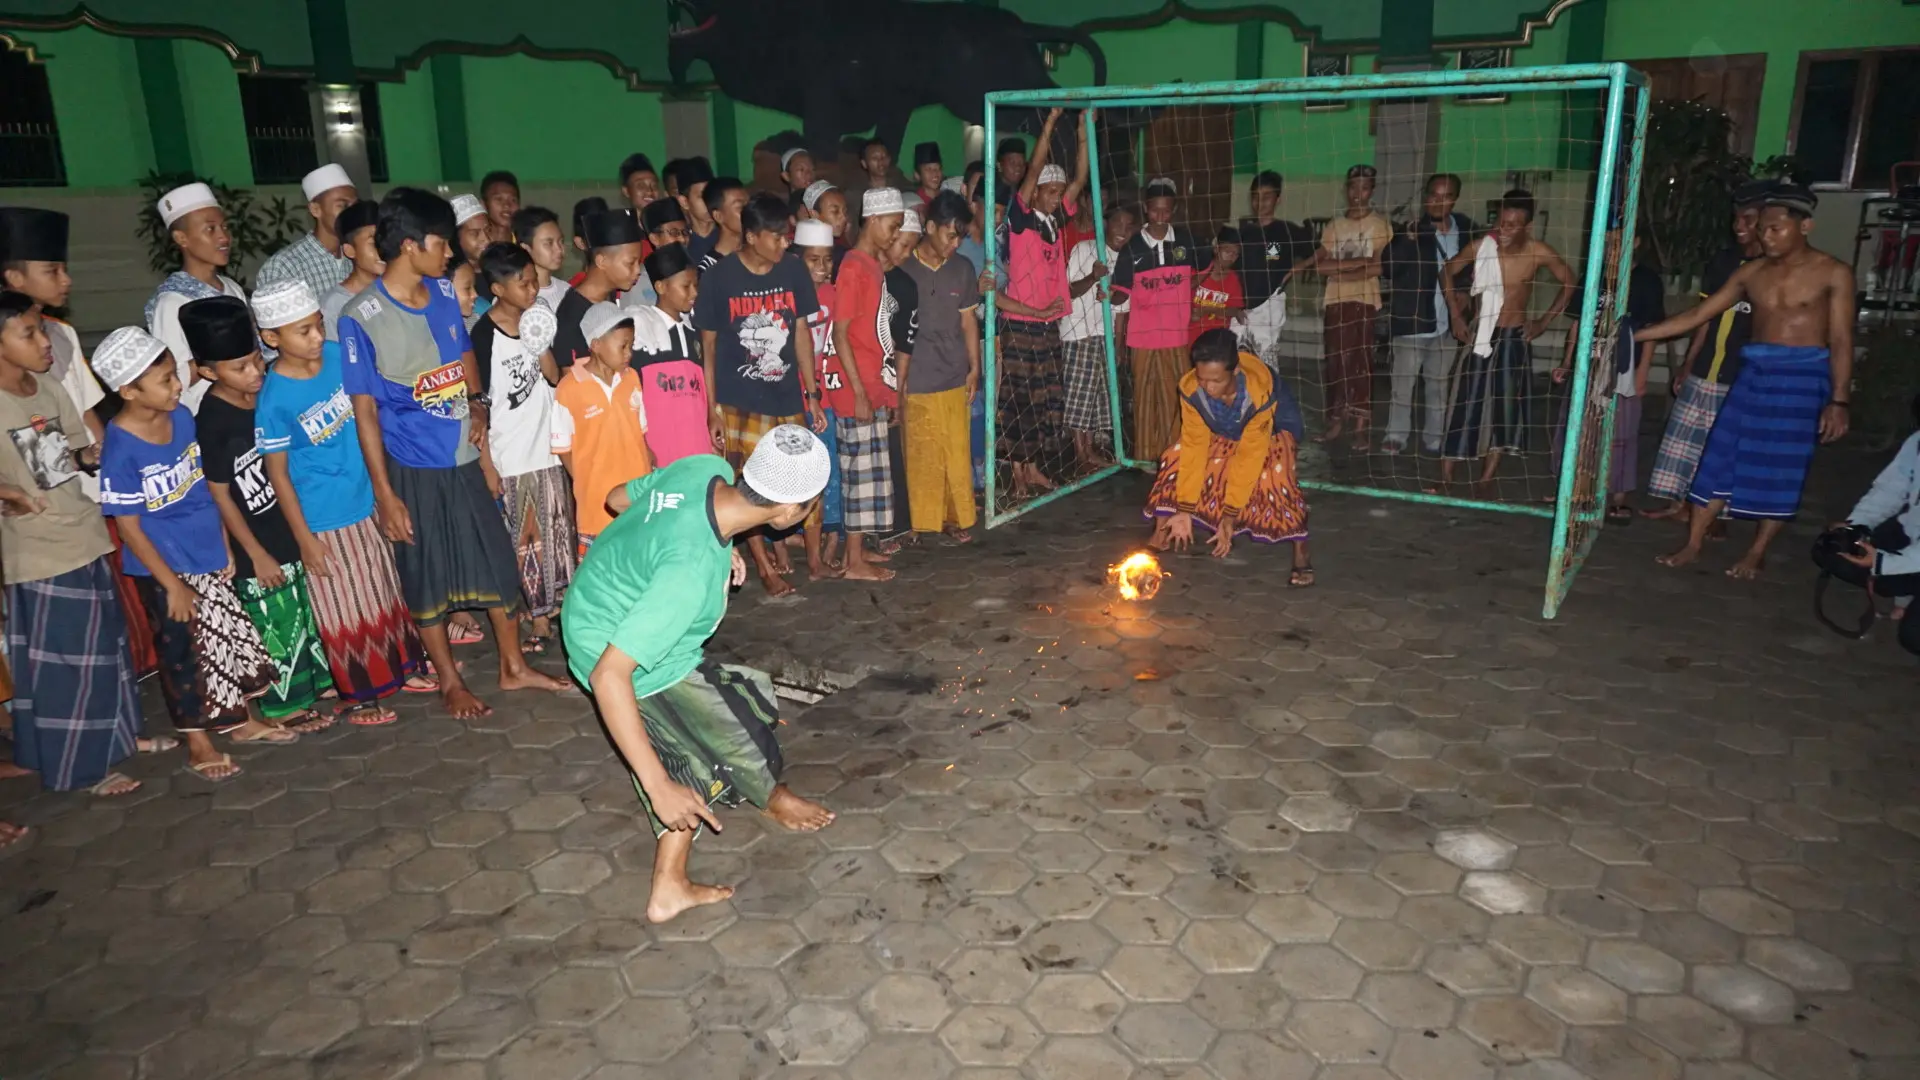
(990, 361)
(1378, 84)
(1594, 278)
(1106, 296)
(1392, 92)
(1060, 492)
(1520, 509)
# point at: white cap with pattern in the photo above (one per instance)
(466, 208)
(955, 184)
(601, 318)
(813, 234)
(790, 466)
(125, 355)
(881, 200)
(283, 302)
(184, 200)
(911, 222)
(1052, 174)
(538, 327)
(325, 179)
(811, 196)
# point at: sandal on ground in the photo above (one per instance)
(159, 744)
(533, 646)
(1620, 515)
(1300, 578)
(272, 736)
(458, 634)
(957, 537)
(205, 768)
(11, 834)
(306, 722)
(370, 716)
(114, 784)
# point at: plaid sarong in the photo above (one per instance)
(1689, 423)
(75, 711)
(866, 473)
(713, 732)
(741, 431)
(1756, 459)
(1088, 407)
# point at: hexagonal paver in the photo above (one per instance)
(1074, 1004)
(1336, 1031)
(1577, 996)
(1164, 1033)
(1474, 969)
(1220, 945)
(1148, 973)
(1513, 1028)
(1318, 813)
(577, 996)
(1799, 964)
(812, 1033)
(1409, 1000)
(1636, 967)
(1743, 993)
(1315, 972)
(1471, 849)
(990, 1035)
(908, 1003)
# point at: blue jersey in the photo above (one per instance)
(409, 360)
(165, 486)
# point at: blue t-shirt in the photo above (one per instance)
(166, 487)
(311, 421)
(409, 361)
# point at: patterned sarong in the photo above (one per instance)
(1689, 422)
(1756, 459)
(1275, 513)
(75, 710)
(372, 645)
(866, 473)
(283, 616)
(1032, 397)
(541, 521)
(741, 431)
(714, 733)
(212, 666)
(1088, 407)
(1156, 400)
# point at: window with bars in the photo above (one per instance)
(280, 135)
(1853, 117)
(29, 136)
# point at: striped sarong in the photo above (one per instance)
(1031, 402)
(461, 557)
(283, 616)
(372, 645)
(1756, 459)
(1275, 513)
(1689, 422)
(866, 473)
(540, 519)
(714, 734)
(1156, 400)
(1088, 407)
(211, 667)
(75, 711)
(1489, 407)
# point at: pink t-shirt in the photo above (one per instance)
(1036, 260)
(673, 387)
(1156, 279)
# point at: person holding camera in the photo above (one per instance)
(1874, 548)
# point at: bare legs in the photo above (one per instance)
(1698, 524)
(674, 892)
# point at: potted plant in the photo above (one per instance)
(257, 230)
(1687, 184)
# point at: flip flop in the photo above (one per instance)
(1301, 577)
(269, 735)
(159, 744)
(200, 770)
(314, 722)
(370, 716)
(463, 635)
(100, 789)
(533, 646)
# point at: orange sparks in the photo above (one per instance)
(1138, 576)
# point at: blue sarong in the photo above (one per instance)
(830, 512)
(1756, 459)
(75, 711)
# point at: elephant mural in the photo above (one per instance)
(846, 66)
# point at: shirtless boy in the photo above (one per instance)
(1793, 389)
(1488, 413)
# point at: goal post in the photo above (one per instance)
(1594, 181)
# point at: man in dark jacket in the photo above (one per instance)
(1417, 315)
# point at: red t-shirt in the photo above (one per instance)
(820, 324)
(861, 289)
(1213, 299)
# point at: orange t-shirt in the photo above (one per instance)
(604, 428)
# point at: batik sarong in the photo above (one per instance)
(540, 520)
(283, 617)
(1275, 513)
(211, 665)
(1032, 401)
(372, 645)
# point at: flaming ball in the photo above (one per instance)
(1138, 576)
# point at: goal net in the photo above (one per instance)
(1335, 226)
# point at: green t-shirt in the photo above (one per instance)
(654, 584)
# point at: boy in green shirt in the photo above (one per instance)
(653, 588)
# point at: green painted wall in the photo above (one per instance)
(1522, 133)
(98, 104)
(1657, 29)
(555, 120)
(407, 120)
(216, 125)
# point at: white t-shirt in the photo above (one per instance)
(555, 290)
(1085, 319)
(520, 423)
(166, 327)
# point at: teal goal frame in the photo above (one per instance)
(1577, 513)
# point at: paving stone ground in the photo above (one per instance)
(1394, 826)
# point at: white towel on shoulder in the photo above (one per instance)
(1491, 292)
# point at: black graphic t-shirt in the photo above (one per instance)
(1267, 255)
(230, 455)
(569, 344)
(755, 318)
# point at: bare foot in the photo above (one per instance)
(8, 770)
(1666, 513)
(866, 572)
(529, 679)
(11, 834)
(1161, 538)
(796, 813)
(1679, 558)
(777, 585)
(824, 571)
(1332, 434)
(670, 898)
(1749, 566)
(463, 705)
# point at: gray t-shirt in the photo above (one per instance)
(43, 433)
(940, 349)
(331, 305)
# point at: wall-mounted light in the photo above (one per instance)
(342, 111)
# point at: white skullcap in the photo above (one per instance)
(466, 208)
(786, 159)
(184, 200)
(283, 302)
(910, 222)
(790, 465)
(601, 318)
(814, 190)
(813, 234)
(881, 200)
(955, 184)
(325, 179)
(538, 327)
(125, 355)
(1052, 174)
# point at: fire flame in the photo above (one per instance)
(1138, 576)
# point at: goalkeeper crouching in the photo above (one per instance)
(1232, 468)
